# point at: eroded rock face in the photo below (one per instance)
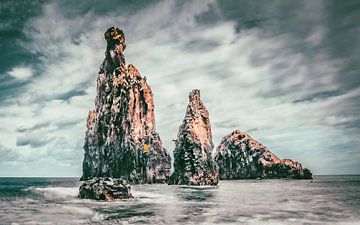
(121, 139)
(239, 156)
(193, 164)
(106, 189)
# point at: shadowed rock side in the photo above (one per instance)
(239, 156)
(121, 139)
(193, 164)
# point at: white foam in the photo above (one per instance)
(97, 217)
(152, 197)
(78, 210)
(56, 192)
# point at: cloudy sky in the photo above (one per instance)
(286, 72)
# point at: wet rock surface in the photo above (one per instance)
(106, 189)
(121, 139)
(193, 164)
(239, 156)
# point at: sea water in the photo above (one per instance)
(324, 200)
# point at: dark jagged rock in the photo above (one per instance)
(239, 156)
(193, 164)
(121, 138)
(107, 189)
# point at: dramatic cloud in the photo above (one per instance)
(267, 69)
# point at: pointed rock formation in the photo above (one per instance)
(193, 163)
(239, 156)
(121, 139)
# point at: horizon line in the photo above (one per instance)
(352, 174)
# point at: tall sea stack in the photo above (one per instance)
(193, 163)
(239, 156)
(121, 139)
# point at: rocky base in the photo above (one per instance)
(105, 189)
(286, 168)
(211, 179)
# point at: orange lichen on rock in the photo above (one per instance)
(146, 148)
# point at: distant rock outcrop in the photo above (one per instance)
(106, 189)
(121, 139)
(239, 156)
(193, 163)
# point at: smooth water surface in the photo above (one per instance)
(324, 200)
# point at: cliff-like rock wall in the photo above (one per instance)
(193, 163)
(121, 138)
(239, 156)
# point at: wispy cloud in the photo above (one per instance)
(21, 73)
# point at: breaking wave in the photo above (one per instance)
(55, 192)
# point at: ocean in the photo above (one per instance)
(324, 200)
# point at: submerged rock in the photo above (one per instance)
(193, 164)
(121, 138)
(239, 156)
(107, 189)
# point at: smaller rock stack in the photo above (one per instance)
(193, 163)
(107, 189)
(239, 156)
